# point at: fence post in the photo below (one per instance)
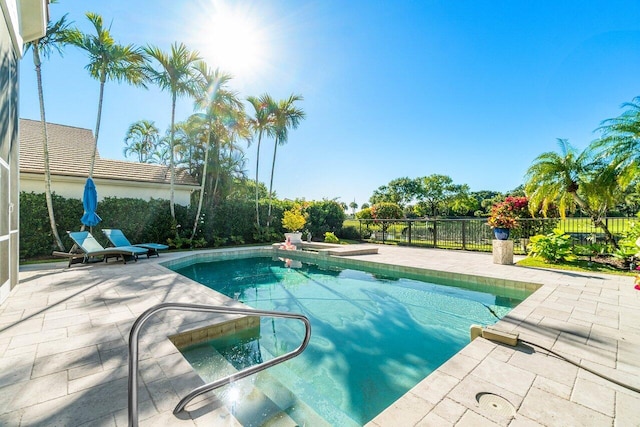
(435, 234)
(464, 234)
(409, 231)
(360, 221)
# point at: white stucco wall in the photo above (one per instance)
(73, 187)
(20, 21)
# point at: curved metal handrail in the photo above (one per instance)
(133, 351)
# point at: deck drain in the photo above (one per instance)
(495, 404)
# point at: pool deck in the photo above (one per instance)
(64, 361)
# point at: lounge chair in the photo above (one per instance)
(86, 246)
(117, 238)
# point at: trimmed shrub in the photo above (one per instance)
(329, 237)
(323, 216)
(553, 247)
(349, 232)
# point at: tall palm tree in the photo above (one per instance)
(108, 61)
(55, 38)
(141, 139)
(285, 116)
(223, 112)
(261, 123)
(176, 75)
(620, 141)
(570, 179)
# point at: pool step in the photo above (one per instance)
(318, 412)
(259, 400)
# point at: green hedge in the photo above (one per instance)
(141, 221)
(36, 238)
(230, 222)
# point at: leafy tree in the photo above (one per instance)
(141, 139)
(244, 189)
(364, 213)
(401, 191)
(324, 216)
(491, 199)
(261, 123)
(108, 61)
(570, 179)
(461, 202)
(56, 36)
(176, 74)
(436, 191)
(386, 210)
(285, 116)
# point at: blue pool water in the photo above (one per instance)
(374, 336)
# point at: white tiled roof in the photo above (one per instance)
(70, 150)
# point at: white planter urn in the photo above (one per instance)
(295, 238)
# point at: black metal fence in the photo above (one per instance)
(474, 234)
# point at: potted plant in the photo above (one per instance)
(294, 220)
(502, 219)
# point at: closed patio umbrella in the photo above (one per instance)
(90, 203)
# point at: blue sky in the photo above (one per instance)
(472, 89)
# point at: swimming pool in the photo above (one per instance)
(375, 334)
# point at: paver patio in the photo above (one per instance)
(64, 362)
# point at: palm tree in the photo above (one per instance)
(108, 61)
(353, 205)
(620, 141)
(262, 123)
(142, 137)
(160, 153)
(57, 35)
(188, 147)
(176, 75)
(569, 179)
(224, 114)
(285, 116)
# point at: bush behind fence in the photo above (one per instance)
(475, 235)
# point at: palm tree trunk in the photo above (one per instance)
(257, 168)
(215, 189)
(204, 180)
(171, 159)
(595, 218)
(45, 146)
(273, 166)
(97, 132)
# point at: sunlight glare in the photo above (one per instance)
(230, 36)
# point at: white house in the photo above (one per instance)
(21, 21)
(70, 150)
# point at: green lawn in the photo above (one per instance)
(579, 265)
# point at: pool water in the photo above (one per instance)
(374, 336)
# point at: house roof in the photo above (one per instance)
(70, 150)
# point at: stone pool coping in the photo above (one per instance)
(64, 332)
